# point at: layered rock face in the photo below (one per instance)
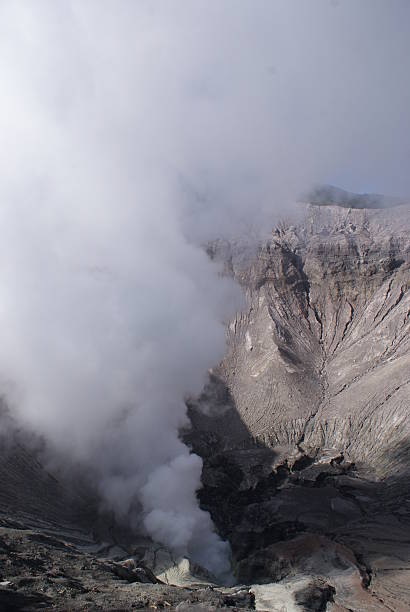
(304, 427)
(322, 354)
(305, 437)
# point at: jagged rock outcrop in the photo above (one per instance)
(312, 439)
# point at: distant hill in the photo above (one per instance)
(323, 195)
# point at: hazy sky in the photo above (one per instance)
(132, 131)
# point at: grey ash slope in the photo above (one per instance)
(307, 467)
(322, 354)
(305, 437)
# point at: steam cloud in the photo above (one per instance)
(132, 132)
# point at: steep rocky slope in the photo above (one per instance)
(304, 433)
(307, 457)
(322, 353)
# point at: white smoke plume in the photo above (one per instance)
(131, 132)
